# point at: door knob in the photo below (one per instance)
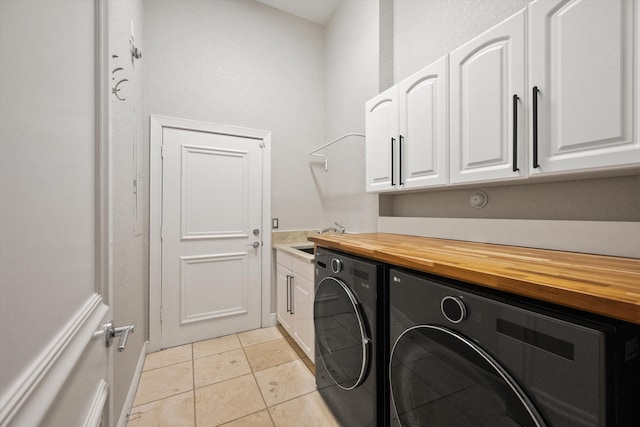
(122, 332)
(255, 245)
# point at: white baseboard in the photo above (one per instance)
(128, 403)
(273, 319)
(615, 238)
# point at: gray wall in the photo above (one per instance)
(242, 63)
(351, 77)
(130, 247)
(425, 31)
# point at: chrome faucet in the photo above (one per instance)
(340, 229)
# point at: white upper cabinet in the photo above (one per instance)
(407, 132)
(488, 82)
(423, 139)
(382, 133)
(583, 59)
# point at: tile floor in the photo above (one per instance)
(255, 378)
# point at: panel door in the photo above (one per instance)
(423, 140)
(211, 218)
(382, 135)
(584, 56)
(487, 122)
(303, 311)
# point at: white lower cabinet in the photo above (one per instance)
(294, 300)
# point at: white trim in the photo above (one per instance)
(104, 188)
(26, 401)
(272, 321)
(616, 238)
(155, 223)
(266, 231)
(128, 403)
(156, 124)
(94, 415)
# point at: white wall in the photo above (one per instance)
(130, 243)
(427, 30)
(351, 76)
(242, 63)
(47, 141)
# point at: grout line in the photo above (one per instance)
(193, 389)
(258, 385)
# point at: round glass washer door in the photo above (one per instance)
(342, 341)
(440, 378)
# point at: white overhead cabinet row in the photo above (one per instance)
(549, 91)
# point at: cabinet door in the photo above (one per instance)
(583, 59)
(303, 312)
(423, 139)
(382, 134)
(283, 297)
(487, 124)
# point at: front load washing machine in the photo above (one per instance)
(351, 338)
(467, 356)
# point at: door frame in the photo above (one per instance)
(156, 126)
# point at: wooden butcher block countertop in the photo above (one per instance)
(604, 285)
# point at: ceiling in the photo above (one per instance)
(318, 11)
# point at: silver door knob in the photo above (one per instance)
(121, 331)
(255, 245)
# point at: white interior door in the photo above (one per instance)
(55, 368)
(211, 232)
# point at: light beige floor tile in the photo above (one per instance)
(166, 357)
(282, 330)
(310, 410)
(294, 345)
(215, 346)
(259, 419)
(285, 382)
(220, 367)
(164, 382)
(174, 411)
(258, 336)
(310, 365)
(268, 354)
(227, 401)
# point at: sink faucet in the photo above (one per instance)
(340, 229)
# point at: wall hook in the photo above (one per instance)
(135, 52)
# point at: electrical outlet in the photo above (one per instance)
(274, 223)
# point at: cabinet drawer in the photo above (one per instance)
(284, 259)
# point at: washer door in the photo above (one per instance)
(439, 378)
(342, 342)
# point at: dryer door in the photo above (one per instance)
(440, 378)
(342, 339)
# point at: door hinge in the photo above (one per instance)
(160, 314)
(161, 233)
(162, 151)
(262, 144)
